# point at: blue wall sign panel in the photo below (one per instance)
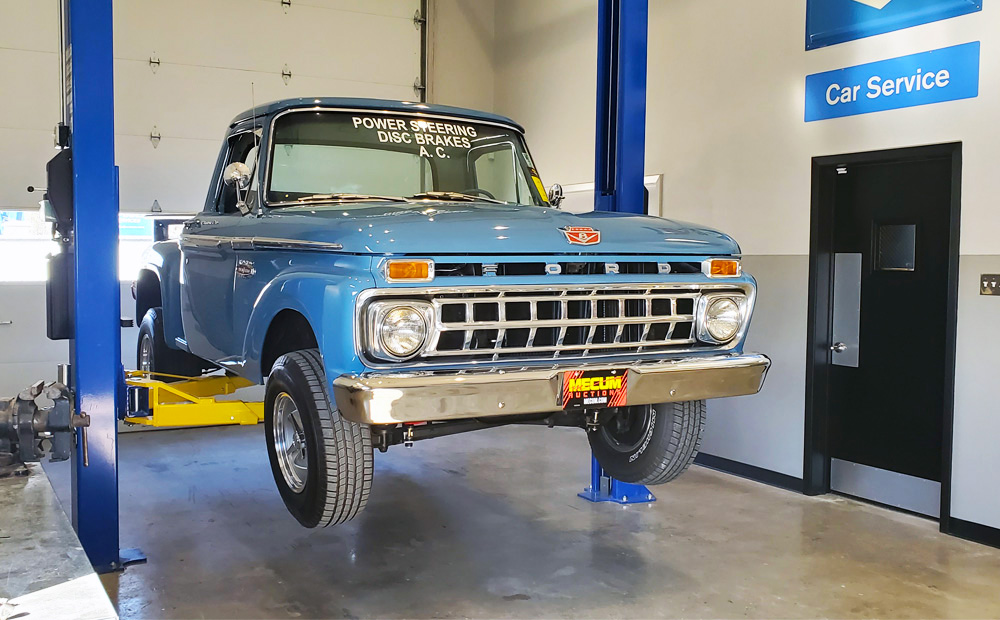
(829, 22)
(929, 77)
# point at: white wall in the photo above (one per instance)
(546, 63)
(460, 60)
(725, 127)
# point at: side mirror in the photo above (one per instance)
(238, 175)
(556, 195)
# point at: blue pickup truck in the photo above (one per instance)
(396, 271)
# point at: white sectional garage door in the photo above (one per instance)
(209, 52)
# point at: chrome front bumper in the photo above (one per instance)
(390, 398)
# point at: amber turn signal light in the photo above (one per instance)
(721, 268)
(409, 270)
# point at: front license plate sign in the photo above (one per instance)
(594, 389)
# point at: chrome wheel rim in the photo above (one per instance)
(146, 354)
(290, 443)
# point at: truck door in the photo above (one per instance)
(208, 267)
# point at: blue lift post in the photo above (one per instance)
(95, 350)
(620, 158)
(621, 106)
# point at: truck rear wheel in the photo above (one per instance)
(153, 354)
(322, 463)
(649, 444)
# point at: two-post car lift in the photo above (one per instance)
(91, 244)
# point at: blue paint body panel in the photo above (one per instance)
(321, 287)
(163, 259)
(443, 228)
(829, 22)
(945, 74)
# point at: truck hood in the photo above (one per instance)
(437, 228)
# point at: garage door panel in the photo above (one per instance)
(183, 102)
(29, 25)
(23, 339)
(188, 31)
(309, 40)
(15, 377)
(358, 47)
(176, 174)
(199, 102)
(25, 153)
(325, 87)
(403, 9)
(31, 95)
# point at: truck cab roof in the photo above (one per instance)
(384, 105)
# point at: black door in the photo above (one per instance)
(890, 311)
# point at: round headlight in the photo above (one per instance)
(722, 319)
(402, 331)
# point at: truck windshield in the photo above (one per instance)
(337, 156)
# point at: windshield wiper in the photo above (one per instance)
(348, 197)
(457, 197)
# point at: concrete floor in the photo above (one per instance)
(489, 525)
(45, 572)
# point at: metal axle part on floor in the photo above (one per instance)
(604, 488)
(191, 401)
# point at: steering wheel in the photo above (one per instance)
(478, 190)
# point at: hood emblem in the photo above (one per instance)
(581, 235)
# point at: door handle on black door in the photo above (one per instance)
(838, 347)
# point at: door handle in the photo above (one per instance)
(838, 347)
(6, 323)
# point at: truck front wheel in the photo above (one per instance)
(322, 464)
(649, 444)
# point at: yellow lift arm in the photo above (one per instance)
(192, 401)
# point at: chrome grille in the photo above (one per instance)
(559, 322)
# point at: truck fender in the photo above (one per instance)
(327, 303)
(161, 261)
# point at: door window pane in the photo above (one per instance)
(897, 244)
(498, 173)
